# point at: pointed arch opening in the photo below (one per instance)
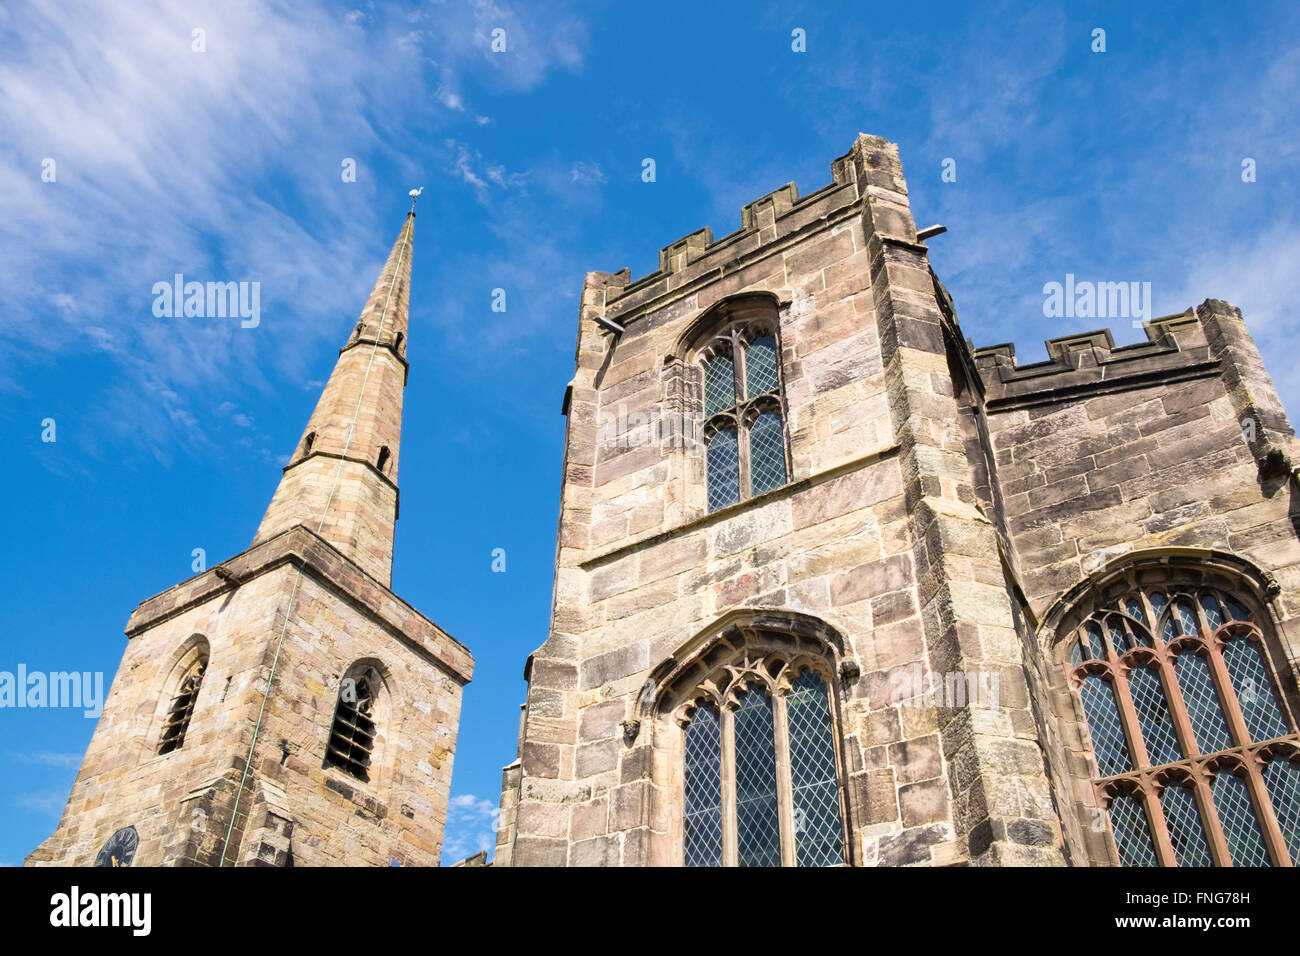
(735, 353)
(181, 693)
(750, 714)
(361, 712)
(1191, 740)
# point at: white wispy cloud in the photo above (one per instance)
(48, 802)
(471, 827)
(168, 159)
(47, 758)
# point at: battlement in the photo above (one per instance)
(1091, 360)
(872, 164)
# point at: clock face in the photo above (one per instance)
(120, 848)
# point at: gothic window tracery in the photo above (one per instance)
(744, 408)
(1197, 760)
(760, 780)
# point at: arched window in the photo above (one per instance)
(760, 784)
(307, 442)
(352, 734)
(1197, 759)
(743, 404)
(382, 462)
(181, 709)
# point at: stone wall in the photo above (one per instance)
(291, 808)
(1104, 454)
(876, 538)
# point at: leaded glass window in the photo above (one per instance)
(1154, 718)
(744, 417)
(723, 462)
(1250, 680)
(1186, 834)
(1203, 707)
(1178, 679)
(760, 781)
(758, 832)
(1240, 825)
(1132, 834)
(818, 833)
(767, 452)
(1108, 746)
(703, 810)
(1282, 778)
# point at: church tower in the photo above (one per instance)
(286, 708)
(834, 587)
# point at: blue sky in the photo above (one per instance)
(226, 164)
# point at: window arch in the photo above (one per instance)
(738, 352)
(760, 777)
(354, 732)
(1196, 757)
(187, 679)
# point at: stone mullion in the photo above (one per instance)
(784, 782)
(781, 403)
(1177, 706)
(1156, 822)
(1210, 819)
(730, 843)
(1227, 694)
(1138, 754)
(1128, 714)
(1240, 735)
(742, 432)
(1268, 824)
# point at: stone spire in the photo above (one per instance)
(341, 481)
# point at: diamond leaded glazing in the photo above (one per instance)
(1202, 700)
(1185, 676)
(719, 384)
(758, 829)
(1128, 821)
(1104, 726)
(1186, 833)
(723, 463)
(1250, 680)
(1154, 718)
(760, 774)
(1240, 825)
(703, 810)
(761, 374)
(742, 394)
(817, 832)
(1282, 778)
(767, 452)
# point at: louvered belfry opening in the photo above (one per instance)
(181, 710)
(352, 738)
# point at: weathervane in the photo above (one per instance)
(415, 197)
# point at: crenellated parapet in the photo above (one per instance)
(769, 225)
(1091, 361)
